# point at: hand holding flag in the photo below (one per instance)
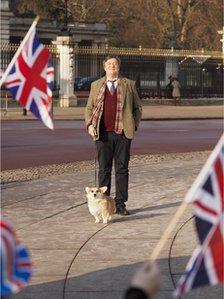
(206, 265)
(207, 194)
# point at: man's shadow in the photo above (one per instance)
(136, 214)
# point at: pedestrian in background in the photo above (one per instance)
(176, 91)
(112, 115)
(169, 88)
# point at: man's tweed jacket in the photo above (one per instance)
(131, 106)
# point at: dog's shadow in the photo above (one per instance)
(136, 214)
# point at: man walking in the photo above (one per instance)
(112, 115)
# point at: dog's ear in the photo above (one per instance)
(103, 189)
(87, 189)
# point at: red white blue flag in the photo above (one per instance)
(207, 195)
(16, 267)
(30, 79)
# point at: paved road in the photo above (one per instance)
(29, 143)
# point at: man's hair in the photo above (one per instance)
(112, 57)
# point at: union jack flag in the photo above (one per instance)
(206, 265)
(15, 261)
(31, 79)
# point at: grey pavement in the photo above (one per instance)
(75, 258)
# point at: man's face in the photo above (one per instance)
(111, 67)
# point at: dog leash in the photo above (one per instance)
(95, 167)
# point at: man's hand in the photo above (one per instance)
(147, 278)
(92, 130)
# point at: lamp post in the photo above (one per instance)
(202, 81)
(66, 14)
(222, 39)
(64, 29)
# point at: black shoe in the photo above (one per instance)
(121, 210)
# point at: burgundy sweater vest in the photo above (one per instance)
(109, 111)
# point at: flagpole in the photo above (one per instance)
(19, 50)
(168, 231)
(185, 202)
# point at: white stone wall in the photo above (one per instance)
(4, 23)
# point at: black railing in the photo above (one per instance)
(200, 73)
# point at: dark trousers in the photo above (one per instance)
(112, 146)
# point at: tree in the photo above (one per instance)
(193, 18)
(77, 10)
(186, 24)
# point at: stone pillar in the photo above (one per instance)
(65, 48)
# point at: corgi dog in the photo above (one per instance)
(100, 205)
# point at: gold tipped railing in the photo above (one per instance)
(149, 52)
(8, 47)
(107, 50)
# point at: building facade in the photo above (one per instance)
(14, 28)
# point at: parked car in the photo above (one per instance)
(77, 80)
(84, 83)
